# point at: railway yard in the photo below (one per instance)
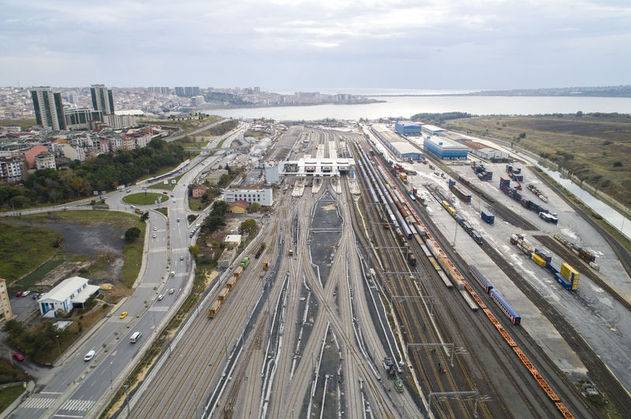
(384, 293)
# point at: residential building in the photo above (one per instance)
(70, 152)
(68, 294)
(120, 121)
(11, 169)
(102, 99)
(446, 149)
(31, 153)
(188, 91)
(261, 196)
(6, 313)
(82, 118)
(407, 128)
(45, 161)
(49, 110)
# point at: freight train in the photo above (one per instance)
(565, 274)
(543, 213)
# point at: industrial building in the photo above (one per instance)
(445, 149)
(260, 196)
(309, 166)
(404, 150)
(432, 130)
(407, 128)
(68, 294)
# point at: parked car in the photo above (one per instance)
(123, 315)
(25, 293)
(160, 297)
(18, 294)
(18, 356)
(35, 296)
(89, 355)
(171, 290)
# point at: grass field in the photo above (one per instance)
(132, 252)
(22, 123)
(9, 394)
(24, 248)
(592, 147)
(144, 198)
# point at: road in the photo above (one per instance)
(75, 387)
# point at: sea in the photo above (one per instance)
(397, 105)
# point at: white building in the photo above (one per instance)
(232, 240)
(260, 196)
(432, 130)
(68, 294)
(45, 161)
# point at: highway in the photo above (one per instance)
(77, 388)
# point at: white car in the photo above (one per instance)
(181, 257)
(25, 293)
(155, 229)
(154, 236)
(178, 220)
(89, 355)
(171, 290)
(160, 297)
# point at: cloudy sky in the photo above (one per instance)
(293, 44)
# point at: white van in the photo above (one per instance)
(134, 337)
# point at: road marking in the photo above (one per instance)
(50, 392)
(159, 308)
(59, 415)
(77, 405)
(38, 403)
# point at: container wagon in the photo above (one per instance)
(462, 195)
(238, 271)
(260, 251)
(411, 259)
(231, 282)
(506, 308)
(213, 309)
(245, 262)
(223, 294)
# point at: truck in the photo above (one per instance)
(487, 217)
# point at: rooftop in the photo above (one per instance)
(445, 143)
(404, 147)
(66, 288)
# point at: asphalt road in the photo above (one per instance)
(74, 387)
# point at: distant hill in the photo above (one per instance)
(594, 91)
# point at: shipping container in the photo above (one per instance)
(411, 259)
(568, 272)
(465, 197)
(487, 217)
(238, 271)
(231, 282)
(539, 260)
(504, 183)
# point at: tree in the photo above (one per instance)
(248, 227)
(617, 164)
(132, 234)
(213, 223)
(219, 208)
(254, 207)
(194, 249)
(144, 216)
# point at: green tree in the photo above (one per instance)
(248, 227)
(194, 249)
(132, 234)
(219, 208)
(254, 207)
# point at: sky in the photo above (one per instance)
(297, 44)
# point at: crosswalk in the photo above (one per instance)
(76, 405)
(38, 403)
(72, 405)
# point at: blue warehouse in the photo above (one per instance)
(407, 128)
(445, 149)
